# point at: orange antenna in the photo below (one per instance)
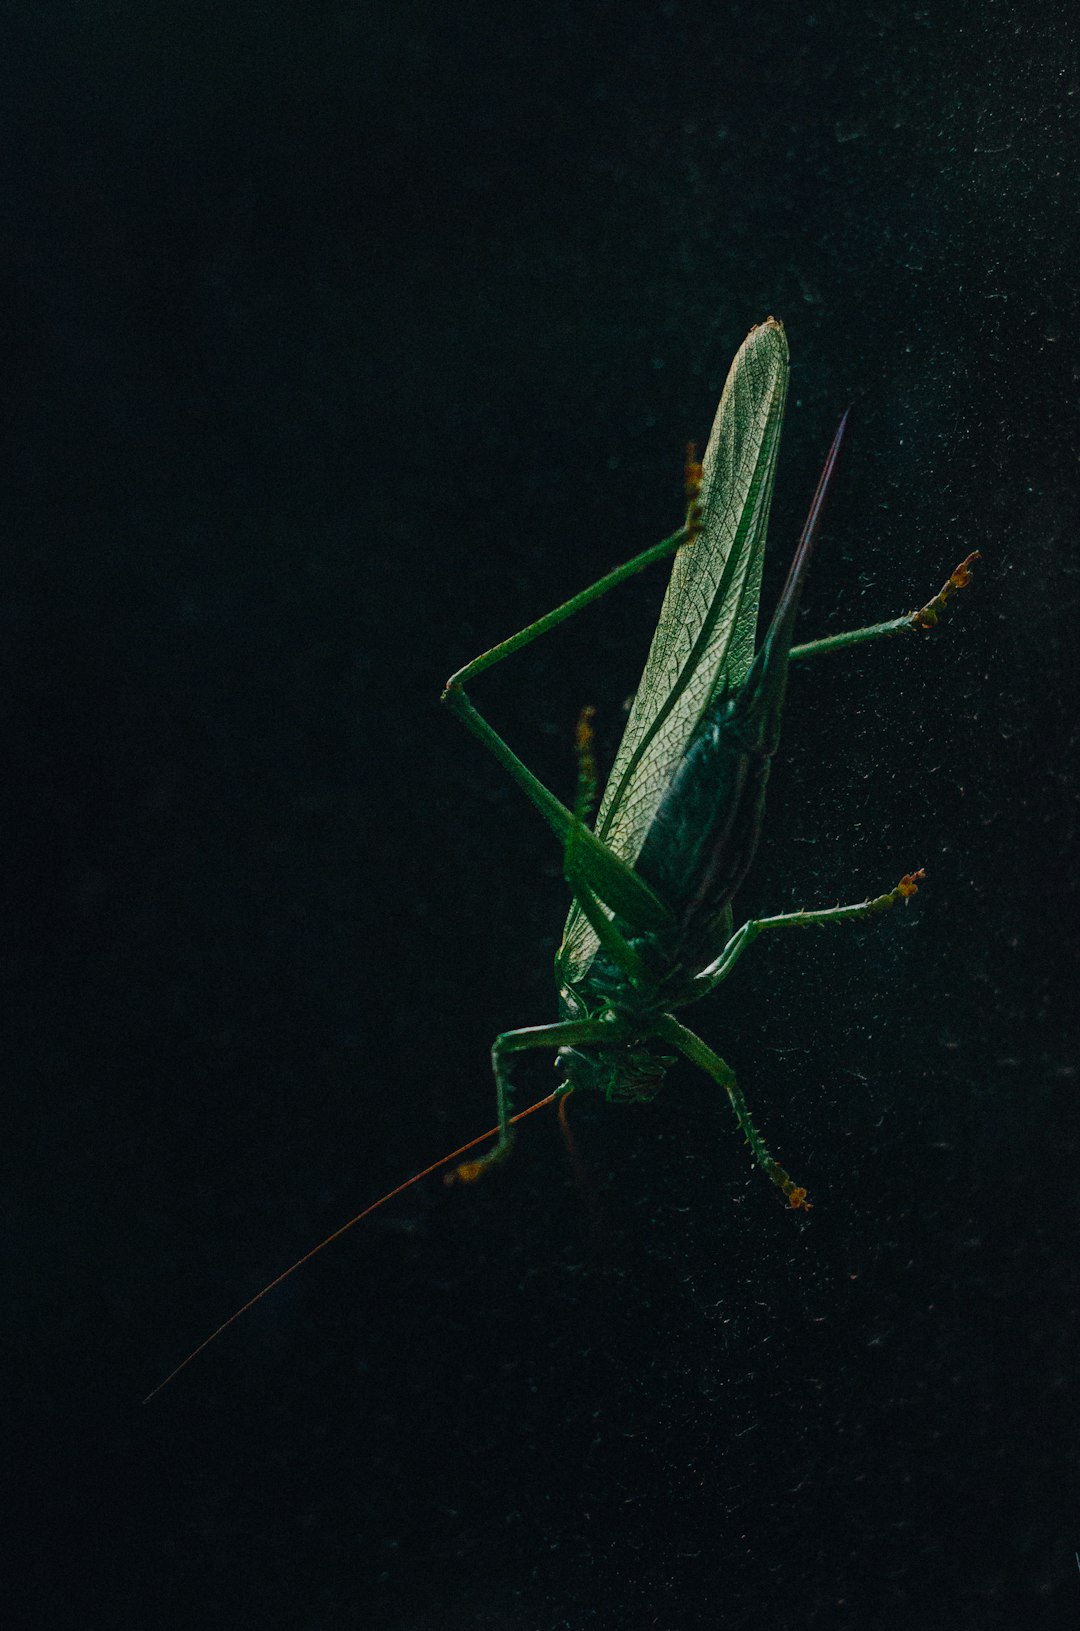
(337, 1234)
(577, 1165)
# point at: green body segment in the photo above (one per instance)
(704, 638)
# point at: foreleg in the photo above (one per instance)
(563, 1034)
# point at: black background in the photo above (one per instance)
(339, 342)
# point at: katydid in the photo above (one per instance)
(650, 924)
(650, 928)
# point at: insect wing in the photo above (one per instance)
(704, 639)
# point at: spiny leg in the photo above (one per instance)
(924, 618)
(562, 1034)
(722, 966)
(669, 1029)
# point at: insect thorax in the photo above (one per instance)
(625, 1074)
(625, 1070)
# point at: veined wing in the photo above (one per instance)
(708, 622)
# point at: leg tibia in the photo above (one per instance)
(695, 1049)
(718, 970)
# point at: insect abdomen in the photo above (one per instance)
(702, 840)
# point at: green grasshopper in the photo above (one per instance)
(650, 929)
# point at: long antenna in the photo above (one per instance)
(337, 1234)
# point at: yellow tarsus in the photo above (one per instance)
(584, 735)
(694, 474)
(909, 884)
(796, 1196)
(584, 738)
(959, 578)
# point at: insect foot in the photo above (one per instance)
(908, 886)
(796, 1196)
(694, 474)
(467, 1172)
(927, 615)
(585, 748)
